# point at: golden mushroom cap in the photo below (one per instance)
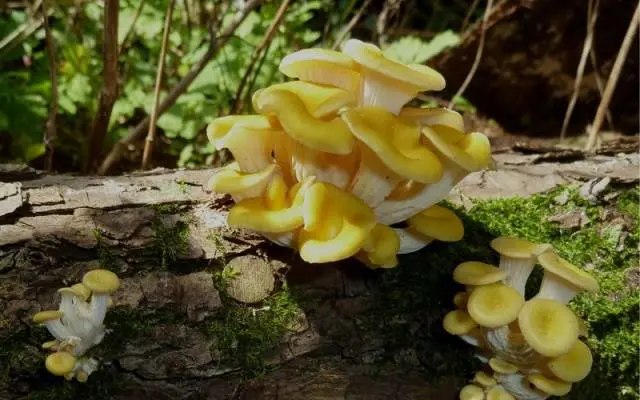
(439, 223)
(484, 379)
(515, 247)
(382, 246)
(101, 281)
(81, 291)
(549, 386)
(494, 305)
(60, 363)
(573, 366)
(502, 367)
(231, 180)
(458, 322)
(498, 393)
(472, 152)
(460, 299)
(436, 116)
(218, 129)
(471, 392)
(319, 100)
(44, 316)
(567, 271)
(292, 64)
(548, 326)
(477, 273)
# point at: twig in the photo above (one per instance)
(476, 61)
(268, 37)
(148, 145)
(599, 83)
(470, 12)
(215, 43)
(592, 17)
(354, 20)
(247, 97)
(127, 36)
(23, 31)
(613, 79)
(50, 130)
(110, 86)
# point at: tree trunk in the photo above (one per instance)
(166, 237)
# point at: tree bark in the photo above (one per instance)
(55, 227)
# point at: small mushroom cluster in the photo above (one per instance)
(77, 325)
(532, 347)
(335, 160)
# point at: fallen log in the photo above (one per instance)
(176, 331)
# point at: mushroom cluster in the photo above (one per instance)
(531, 348)
(77, 325)
(336, 165)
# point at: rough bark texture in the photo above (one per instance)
(532, 49)
(54, 228)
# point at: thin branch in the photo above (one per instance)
(599, 83)
(592, 13)
(110, 86)
(215, 43)
(127, 36)
(148, 145)
(268, 37)
(354, 20)
(476, 61)
(247, 97)
(470, 12)
(613, 79)
(50, 130)
(23, 31)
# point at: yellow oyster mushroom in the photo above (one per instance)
(458, 322)
(548, 326)
(241, 185)
(484, 379)
(460, 300)
(498, 393)
(562, 281)
(336, 169)
(386, 83)
(573, 366)
(322, 66)
(476, 273)
(437, 116)
(381, 246)
(439, 223)
(549, 386)
(60, 363)
(494, 305)
(332, 136)
(502, 367)
(321, 101)
(471, 392)
(336, 224)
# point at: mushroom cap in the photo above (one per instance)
(471, 392)
(498, 393)
(548, 326)
(460, 299)
(477, 273)
(382, 246)
(472, 152)
(319, 100)
(82, 291)
(436, 116)
(50, 344)
(402, 152)
(44, 316)
(558, 266)
(439, 223)
(331, 136)
(458, 322)
(371, 57)
(502, 367)
(219, 128)
(231, 180)
(484, 379)
(573, 366)
(290, 65)
(101, 281)
(494, 305)
(60, 363)
(549, 386)
(515, 247)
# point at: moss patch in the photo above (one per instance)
(414, 298)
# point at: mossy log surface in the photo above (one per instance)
(335, 331)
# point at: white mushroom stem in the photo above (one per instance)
(308, 162)
(99, 304)
(249, 147)
(71, 318)
(391, 212)
(501, 343)
(376, 91)
(555, 288)
(518, 386)
(57, 329)
(410, 242)
(92, 338)
(373, 181)
(518, 271)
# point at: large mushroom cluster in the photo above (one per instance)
(77, 325)
(336, 165)
(532, 348)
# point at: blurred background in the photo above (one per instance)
(77, 77)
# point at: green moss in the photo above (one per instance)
(169, 241)
(421, 289)
(245, 335)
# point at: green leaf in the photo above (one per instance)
(414, 50)
(170, 123)
(185, 155)
(33, 151)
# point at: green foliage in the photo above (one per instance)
(421, 289)
(414, 50)
(169, 240)
(245, 335)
